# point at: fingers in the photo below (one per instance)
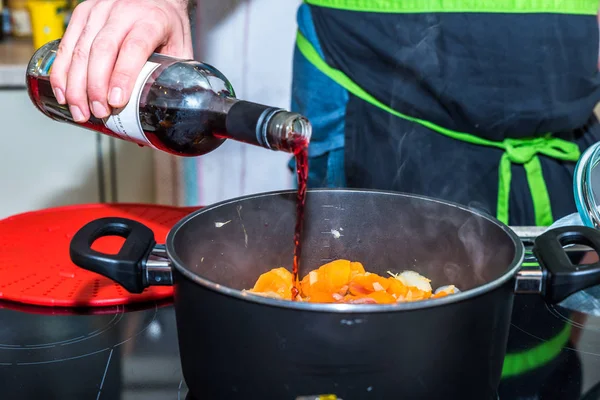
(103, 56)
(60, 66)
(76, 94)
(141, 41)
(105, 48)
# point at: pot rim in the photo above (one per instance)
(514, 267)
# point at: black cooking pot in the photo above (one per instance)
(236, 345)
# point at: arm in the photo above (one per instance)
(108, 41)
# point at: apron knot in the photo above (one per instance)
(522, 151)
(525, 152)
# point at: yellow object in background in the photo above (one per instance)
(47, 20)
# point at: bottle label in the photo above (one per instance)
(125, 121)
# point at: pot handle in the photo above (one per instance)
(129, 267)
(561, 277)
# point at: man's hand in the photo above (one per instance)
(106, 45)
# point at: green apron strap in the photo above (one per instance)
(504, 178)
(537, 187)
(577, 7)
(518, 151)
(541, 200)
(525, 152)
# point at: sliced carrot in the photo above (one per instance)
(321, 297)
(329, 278)
(380, 297)
(367, 283)
(356, 268)
(415, 294)
(440, 295)
(343, 281)
(396, 288)
(276, 281)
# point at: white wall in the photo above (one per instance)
(252, 43)
(44, 163)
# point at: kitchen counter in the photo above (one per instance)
(14, 56)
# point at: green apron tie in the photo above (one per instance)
(518, 151)
(525, 152)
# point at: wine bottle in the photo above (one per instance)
(182, 107)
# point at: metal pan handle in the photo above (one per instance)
(133, 267)
(562, 278)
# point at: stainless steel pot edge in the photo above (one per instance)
(345, 308)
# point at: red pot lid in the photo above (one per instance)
(35, 267)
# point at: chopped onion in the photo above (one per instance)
(313, 277)
(413, 279)
(337, 296)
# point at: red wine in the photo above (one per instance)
(40, 93)
(300, 149)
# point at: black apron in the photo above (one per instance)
(484, 97)
(489, 107)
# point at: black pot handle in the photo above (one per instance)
(127, 267)
(562, 278)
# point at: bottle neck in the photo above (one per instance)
(268, 127)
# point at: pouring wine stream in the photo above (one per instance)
(300, 149)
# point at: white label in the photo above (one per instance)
(125, 121)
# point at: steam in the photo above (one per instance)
(451, 245)
(472, 235)
(479, 207)
(472, 250)
(453, 272)
(239, 212)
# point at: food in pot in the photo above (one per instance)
(343, 281)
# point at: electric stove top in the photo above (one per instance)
(131, 354)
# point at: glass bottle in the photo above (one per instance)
(182, 107)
